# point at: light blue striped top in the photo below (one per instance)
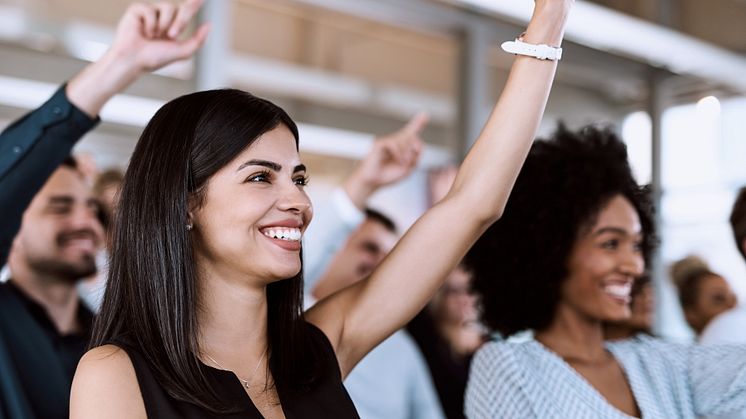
(669, 380)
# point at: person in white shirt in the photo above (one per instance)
(391, 159)
(728, 327)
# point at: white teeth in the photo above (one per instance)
(289, 234)
(618, 290)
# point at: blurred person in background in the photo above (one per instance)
(730, 326)
(345, 244)
(361, 252)
(44, 329)
(642, 312)
(390, 160)
(45, 326)
(392, 381)
(576, 234)
(703, 294)
(106, 190)
(448, 334)
(217, 176)
(447, 330)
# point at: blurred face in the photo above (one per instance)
(455, 303)
(364, 250)
(642, 310)
(60, 233)
(604, 263)
(715, 296)
(109, 196)
(254, 213)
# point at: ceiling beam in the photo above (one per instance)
(632, 37)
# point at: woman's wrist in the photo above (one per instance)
(547, 24)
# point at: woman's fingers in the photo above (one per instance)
(166, 14)
(148, 18)
(184, 14)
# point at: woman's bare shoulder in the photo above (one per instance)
(105, 386)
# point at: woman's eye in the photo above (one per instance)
(638, 247)
(301, 181)
(259, 177)
(610, 244)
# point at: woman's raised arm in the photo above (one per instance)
(356, 319)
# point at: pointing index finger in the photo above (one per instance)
(417, 123)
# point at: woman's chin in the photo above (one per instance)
(616, 315)
(283, 275)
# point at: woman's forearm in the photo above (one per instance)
(489, 170)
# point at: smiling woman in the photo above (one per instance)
(562, 262)
(217, 183)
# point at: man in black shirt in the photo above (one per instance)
(45, 326)
(44, 329)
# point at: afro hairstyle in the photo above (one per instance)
(520, 262)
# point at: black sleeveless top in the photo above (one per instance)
(328, 399)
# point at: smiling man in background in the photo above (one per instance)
(46, 326)
(44, 329)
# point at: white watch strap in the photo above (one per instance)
(542, 51)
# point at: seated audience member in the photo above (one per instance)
(703, 294)
(42, 321)
(561, 261)
(728, 327)
(345, 243)
(448, 333)
(392, 381)
(43, 328)
(391, 159)
(105, 189)
(642, 310)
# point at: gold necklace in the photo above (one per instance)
(243, 381)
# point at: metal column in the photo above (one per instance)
(214, 56)
(656, 106)
(474, 84)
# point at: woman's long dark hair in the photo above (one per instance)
(151, 297)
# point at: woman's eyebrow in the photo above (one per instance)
(266, 163)
(617, 230)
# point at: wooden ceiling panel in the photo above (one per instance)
(96, 11)
(266, 32)
(340, 43)
(722, 22)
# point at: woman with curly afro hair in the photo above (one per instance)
(561, 262)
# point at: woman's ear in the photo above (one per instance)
(192, 208)
(189, 223)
